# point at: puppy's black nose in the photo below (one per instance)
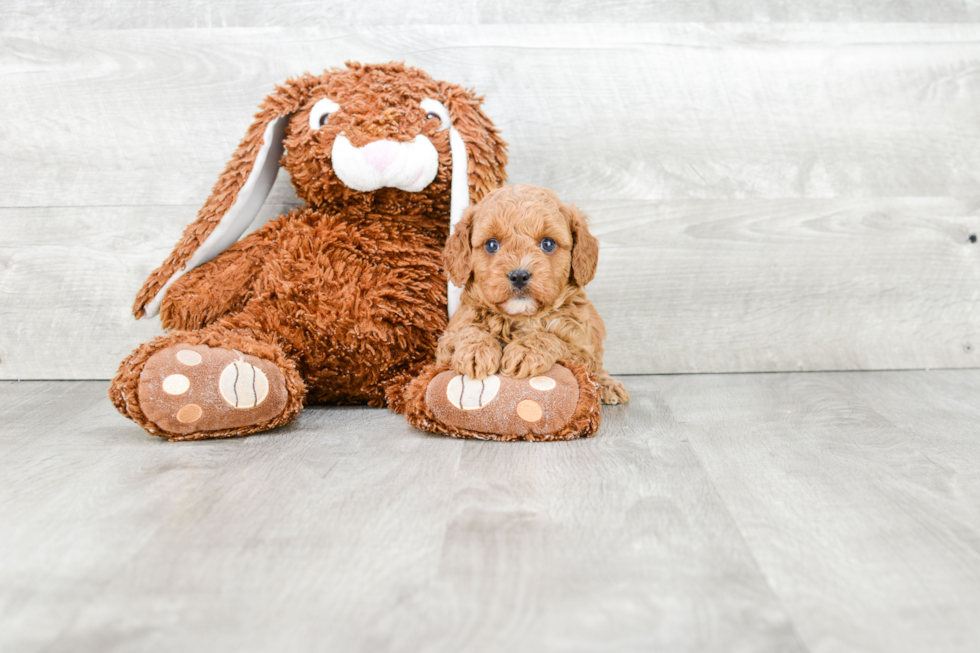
(519, 278)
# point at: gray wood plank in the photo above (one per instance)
(105, 14)
(939, 413)
(26, 405)
(325, 526)
(788, 285)
(619, 111)
(613, 544)
(68, 278)
(21, 399)
(811, 512)
(871, 542)
(690, 144)
(683, 286)
(350, 531)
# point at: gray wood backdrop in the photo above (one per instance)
(776, 184)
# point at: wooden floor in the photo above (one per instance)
(761, 512)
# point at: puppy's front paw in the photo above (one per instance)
(612, 391)
(477, 361)
(521, 361)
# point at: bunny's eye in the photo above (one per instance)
(435, 109)
(320, 113)
(491, 246)
(548, 245)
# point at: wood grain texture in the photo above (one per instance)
(149, 117)
(68, 278)
(599, 545)
(350, 531)
(847, 489)
(685, 286)
(791, 512)
(34, 15)
(707, 286)
(768, 197)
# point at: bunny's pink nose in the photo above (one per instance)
(380, 154)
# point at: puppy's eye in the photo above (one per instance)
(491, 246)
(548, 245)
(324, 118)
(432, 116)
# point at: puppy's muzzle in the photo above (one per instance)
(519, 278)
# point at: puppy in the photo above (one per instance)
(523, 259)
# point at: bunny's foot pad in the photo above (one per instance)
(190, 389)
(562, 404)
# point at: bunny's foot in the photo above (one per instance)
(186, 391)
(561, 404)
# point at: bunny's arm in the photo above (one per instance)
(221, 286)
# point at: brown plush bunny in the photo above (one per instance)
(336, 300)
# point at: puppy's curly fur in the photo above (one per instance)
(522, 330)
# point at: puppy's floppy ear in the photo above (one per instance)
(458, 253)
(236, 197)
(585, 246)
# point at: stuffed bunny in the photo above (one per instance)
(336, 300)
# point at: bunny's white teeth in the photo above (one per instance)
(407, 166)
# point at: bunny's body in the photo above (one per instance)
(371, 298)
(333, 301)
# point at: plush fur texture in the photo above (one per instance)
(524, 331)
(347, 293)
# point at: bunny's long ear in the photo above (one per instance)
(480, 153)
(486, 151)
(235, 199)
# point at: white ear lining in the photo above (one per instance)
(459, 190)
(459, 199)
(241, 214)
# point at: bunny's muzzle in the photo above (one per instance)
(408, 166)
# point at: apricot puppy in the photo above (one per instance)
(523, 258)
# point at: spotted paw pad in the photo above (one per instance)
(186, 389)
(501, 405)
